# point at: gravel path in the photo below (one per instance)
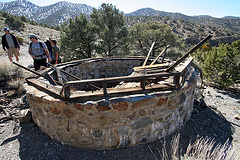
(25, 59)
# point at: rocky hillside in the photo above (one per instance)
(62, 11)
(52, 15)
(189, 28)
(227, 23)
(190, 32)
(40, 31)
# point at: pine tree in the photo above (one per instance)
(111, 32)
(144, 34)
(221, 64)
(77, 39)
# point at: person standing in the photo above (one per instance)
(49, 46)
(56, 53)
(39, 52)
(10, 43)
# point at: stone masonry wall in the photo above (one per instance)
(103, 69)
(110, 123)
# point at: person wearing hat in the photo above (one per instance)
(10, 43)
(39, 52)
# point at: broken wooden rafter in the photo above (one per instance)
(148, 54)
(163, 51)
(47, 76)
(59, 74)
(188, 53)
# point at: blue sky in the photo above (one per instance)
(215, 8)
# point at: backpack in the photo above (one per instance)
(44, 53)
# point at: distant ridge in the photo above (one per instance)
(52, 15)
(60, 12)
(228, 22)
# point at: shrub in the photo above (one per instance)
(20, 39)
(221, 64)
(8, 71)
(14, 22)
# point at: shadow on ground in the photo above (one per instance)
(204, 122)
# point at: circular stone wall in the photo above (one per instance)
(114, 122)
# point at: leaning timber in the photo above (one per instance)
(114, 102)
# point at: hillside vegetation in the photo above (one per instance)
(190, 28)
(190, 32)
(226, 23)
(26, 28)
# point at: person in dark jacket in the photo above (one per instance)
(49, 46)
(10, 43)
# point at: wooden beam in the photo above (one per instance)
(59, 75)
(111, 91)
(163, 51)
(148, 54)
(70, 75)
(50, 79)
(28, 69)
(188, 53)
(184, 65)
(123, 78)
(47, 76)
(54, 91)
(151, 66)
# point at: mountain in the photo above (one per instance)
(229, 22)
(60, 12)
(52, 15)
(152, 12)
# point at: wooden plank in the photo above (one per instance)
(163, 51)
(151, 66)
(123, 78)
(54, 91)
(59, 75)
(188, 53)
(148, 54)
(183, 65)
(112, 91)
(28, 69)
(55, 68)
(64, 72)
(50, 79)
(47, 76)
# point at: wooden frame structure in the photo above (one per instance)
(59, 89)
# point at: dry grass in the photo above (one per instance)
(201, 149)
(12, 79)
(8, 70)
(11, 73)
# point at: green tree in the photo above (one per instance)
(77, 39)
(24, 19)
(14, 22)
(144, 34)
(111, 32)
(221, 64)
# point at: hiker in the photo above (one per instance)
(39, 52)
(49, 46)
(10, 42)
(56, 53)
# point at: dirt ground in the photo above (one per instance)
(216, 117)
(25, 59)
